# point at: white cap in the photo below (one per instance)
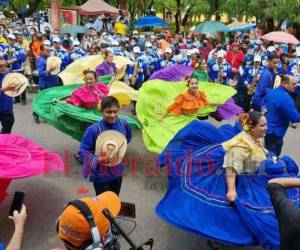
(114, 42)
(135, 32)
(109, 49)
(11, 36)
(195, 51)
(56, 39)
(76, 43)
(168, 50)
(257, 58)
(220, 54)
(47, 42)
(148, 44)
(189, 52)
(136, 49)
(271, 49)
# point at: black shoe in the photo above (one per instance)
(133, 112)
(23, 102)
(36, 117)
(77, 158)
(16, 101)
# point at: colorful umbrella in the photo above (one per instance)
(150, 21)
(240, 26)
(281, 37)
(211, 27)
(74, 29)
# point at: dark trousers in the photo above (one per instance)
(274, 143)
(113, 185)
(21, 97)
(7, 120)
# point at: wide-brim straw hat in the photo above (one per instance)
(53, 62)
(113, 145)
(16, 80)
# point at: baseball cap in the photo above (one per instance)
(148, 44)
(76, 43)
(136, 49)
(168, 50)
(195, 51)
(220, 54)
(56, 39)
(271, 49)
(74, 228)
(11, 36)
(47, 42)
(114, 42)
(257, 58)
(219, 45)
(189, 52)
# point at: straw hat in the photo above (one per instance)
(73, 227)
(113, 145)
(53, 62)
(16, 84)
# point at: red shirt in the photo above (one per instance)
(235, 60)
(204, 51)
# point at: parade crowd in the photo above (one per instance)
(242, 61)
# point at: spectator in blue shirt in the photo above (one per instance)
(7, 118)
(281, 111)
(104, 178)
(265, 83)
(46, 79)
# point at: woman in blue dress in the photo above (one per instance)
(218, 179)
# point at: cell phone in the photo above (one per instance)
(17, 203)
(127, 210)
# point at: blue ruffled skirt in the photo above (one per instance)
(196, 196)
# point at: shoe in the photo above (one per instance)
(133, 112)
(36, 117)
(213, 245)
(77, 158)
(23, 102)
(16, 101)
(294, 125)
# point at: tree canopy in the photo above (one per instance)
(264, 10)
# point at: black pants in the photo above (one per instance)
(113, 185)
(274, 143)
(21, 97)
(7, 120)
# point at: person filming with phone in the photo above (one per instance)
(19, 218)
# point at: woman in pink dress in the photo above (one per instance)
(21, 158)
(90, 94)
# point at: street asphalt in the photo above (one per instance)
(46, 195)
